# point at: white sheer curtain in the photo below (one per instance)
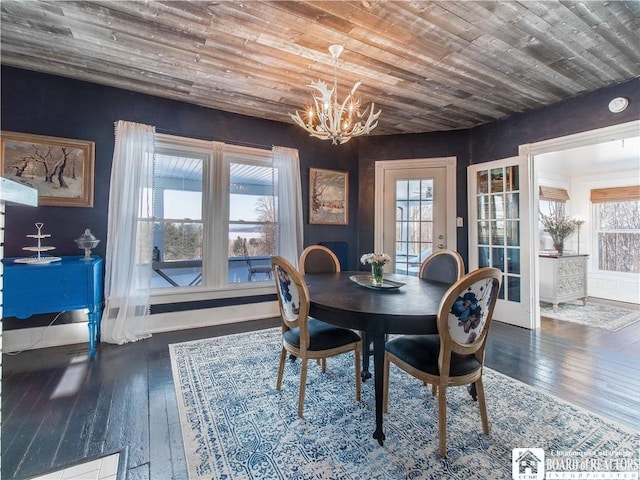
(128, 258)
(289, 203)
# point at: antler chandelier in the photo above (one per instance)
(330, 120)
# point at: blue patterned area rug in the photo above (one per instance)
(593, 314)
(236, 425)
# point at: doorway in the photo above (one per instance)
(558, 163)
(414, 208)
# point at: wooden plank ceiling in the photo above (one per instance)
(429, 65)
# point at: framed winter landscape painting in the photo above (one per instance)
(60, 169)
(328, 197)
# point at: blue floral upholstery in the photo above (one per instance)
(289, 294)
(469, 312)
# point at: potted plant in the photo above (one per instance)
(559, 226)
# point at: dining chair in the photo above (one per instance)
(454, 356)
(306, 337)
(443, 265)
(318, 259)
(341, 250)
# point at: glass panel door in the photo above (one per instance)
(498, 232)
(415, 207)
(413, 223)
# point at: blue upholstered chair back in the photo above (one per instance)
(293, 296)
(444, 266)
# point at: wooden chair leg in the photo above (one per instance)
(385, 388)
(483, 406)
(283, 356)
(324, 365)
(303, 386)
(442, 420)
(434, 389)
(356, 355)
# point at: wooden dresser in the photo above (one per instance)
(563, 278)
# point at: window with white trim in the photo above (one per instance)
(618, 236)
(212, 201)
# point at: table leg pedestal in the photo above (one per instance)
(365, 374)
(378, 377)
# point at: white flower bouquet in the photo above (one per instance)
(375, 258)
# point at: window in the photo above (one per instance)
(549, 208)
(552, 202)
(618, 236)
(178, 228)
(212, 201)
(414, 224)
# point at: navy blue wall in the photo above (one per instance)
(580, 114)
(49, 105)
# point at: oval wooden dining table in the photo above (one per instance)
(410, 309)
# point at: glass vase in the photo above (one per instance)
(559, 247)
(376, 274)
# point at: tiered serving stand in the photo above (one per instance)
(38, 259)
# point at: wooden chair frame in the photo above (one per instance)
(300, 321)
(434, 256)
(314, 249)
(449, 345)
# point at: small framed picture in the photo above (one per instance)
(328, 197)
(60, 169)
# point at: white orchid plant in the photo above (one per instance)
(375, 258)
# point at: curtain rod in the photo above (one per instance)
(231, 142)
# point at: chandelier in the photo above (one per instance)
(331, 120)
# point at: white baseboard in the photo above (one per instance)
(621, 288)
(72, 333)
(166, 322)
(42, 337)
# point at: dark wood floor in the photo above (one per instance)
(124, 398)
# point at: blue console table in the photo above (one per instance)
(70, 284)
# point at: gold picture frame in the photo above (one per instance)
(61, 169)
(328, 197)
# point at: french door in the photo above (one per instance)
(411, 211)
(499, 233)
